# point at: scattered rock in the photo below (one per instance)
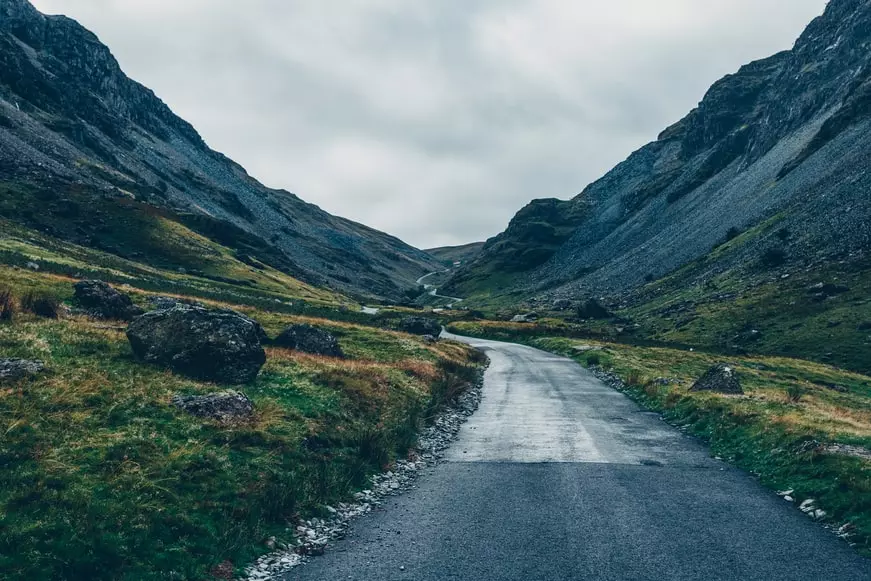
(32, 266)
(430, 339)
(845, 450)
(225, 406)
(101, 301)
(527, 318)
(203, 344)
(720, 378)
(748, 336)
(593, 309)
(420, 326)
(562, 304)
(309, 339)
(15, 369)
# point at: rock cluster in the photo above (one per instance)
(226, 406)
(101, 301)
(312, 536)
(309, 339)
(204, 344)
(15, 369)
(420, 326)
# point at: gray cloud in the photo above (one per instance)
(434, 120)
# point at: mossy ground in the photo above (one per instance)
(101, 478)
(788, 402)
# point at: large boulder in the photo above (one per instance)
(101, 301)
(420, 326)
(201, 343)
(15, 369)
(225, 406)
(309, 339)
(720, 378)
(593, 309)
(165, 302)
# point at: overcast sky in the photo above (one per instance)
(434, 120)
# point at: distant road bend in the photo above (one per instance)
(559, 477)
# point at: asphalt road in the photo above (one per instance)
(559, 477)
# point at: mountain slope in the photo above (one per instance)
(452, 254)
(783, 139)
(91, 157)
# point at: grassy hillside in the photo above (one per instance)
(103, 479)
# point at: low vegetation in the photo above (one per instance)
(102, 478)
(801, 425)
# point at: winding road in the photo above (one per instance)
(559, 477)
(434, 291)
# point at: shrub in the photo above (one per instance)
(41, 305)
(649, 277)
(794, 393)
(783, 234)
(634, 379)
(594, 359)
(8, 307)
(774, 257)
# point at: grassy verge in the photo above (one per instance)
(101, 478)
(793, 427)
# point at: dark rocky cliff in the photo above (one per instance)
(80, 143)
(784, 139)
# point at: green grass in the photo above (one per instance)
(101, 478)
(765, 432)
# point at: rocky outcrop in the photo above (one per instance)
(200, 343)
(309, 339)
(785, 136)
(720, 378)
(420, 326)
(101, 301)
(225, 406)
(17, 369)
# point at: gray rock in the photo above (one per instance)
(593, 309)
(309, 339)
(430, 339)
(527, 318)
(562, 304)
(15, 369)
(101, 301)
(201, 343)
(224, 406)
(420, 326)
(720, 378)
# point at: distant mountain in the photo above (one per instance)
(780, 150)
(91, 157)
(451, 255)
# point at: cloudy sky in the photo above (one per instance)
(434, 120)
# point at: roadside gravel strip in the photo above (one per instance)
(313, 536)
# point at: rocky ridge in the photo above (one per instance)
(88, 155)
(783, 139)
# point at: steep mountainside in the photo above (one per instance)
(90, 157)
(782, 142)
(452, 254)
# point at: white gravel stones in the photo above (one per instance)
(312, 536)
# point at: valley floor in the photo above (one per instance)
(558, 476)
